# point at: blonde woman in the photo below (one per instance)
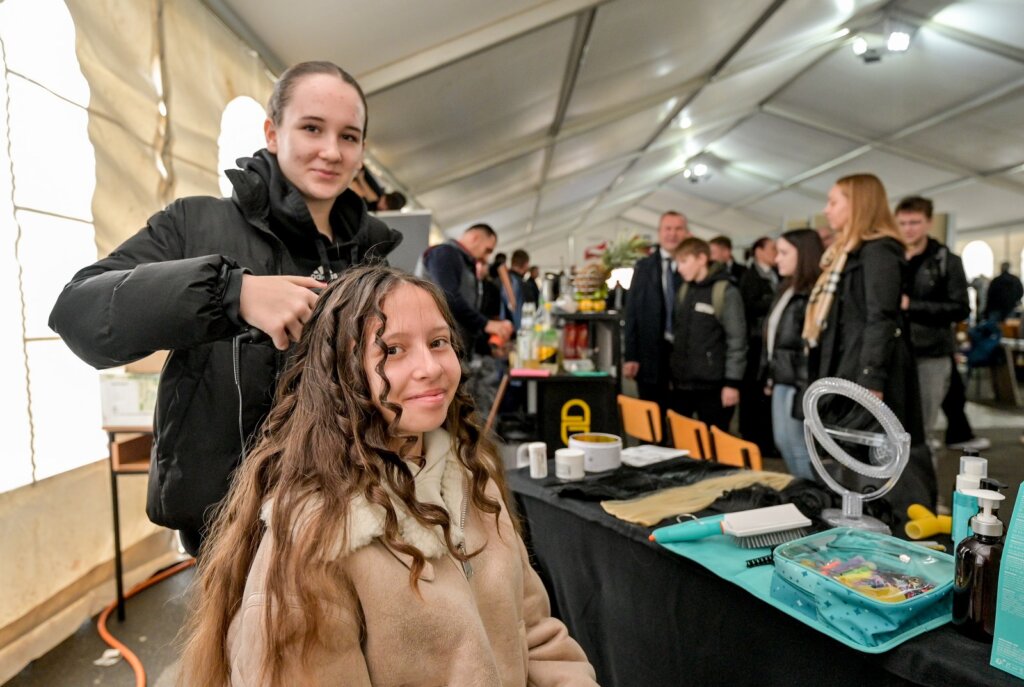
(855, 328)
(367, 539)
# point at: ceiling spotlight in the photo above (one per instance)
(696, 173)
(886, 37)
(898, 41)
(872, 46)
(684, 122)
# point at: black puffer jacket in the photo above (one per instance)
(865, 340)
(865, 336)
(710, 348)
(938, 298)
(175, 286)
(788, 362)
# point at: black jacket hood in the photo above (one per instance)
(716, 272)
(272, 203)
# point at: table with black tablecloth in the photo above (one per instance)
(649, 618)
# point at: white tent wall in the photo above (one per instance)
(56, 533)
(560, 122)
(57, 550)
(1007, 245)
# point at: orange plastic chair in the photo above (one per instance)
(735, 451)
(689, 434)
(640, 419)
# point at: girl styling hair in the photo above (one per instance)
(325, 444)
(285, 86)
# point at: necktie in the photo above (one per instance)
(670, 295)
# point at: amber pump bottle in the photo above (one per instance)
(976, 579)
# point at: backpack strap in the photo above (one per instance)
(681, 293)
(718, 297)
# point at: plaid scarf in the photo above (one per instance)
(820, 302)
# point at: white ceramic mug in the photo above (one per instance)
(569, 464)
(600, 451)
(535, 455)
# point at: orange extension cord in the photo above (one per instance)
(101, 624)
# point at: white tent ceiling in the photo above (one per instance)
(561, 122)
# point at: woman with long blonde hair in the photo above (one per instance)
(855, 329)
(367, 537)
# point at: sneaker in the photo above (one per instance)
(976, 444)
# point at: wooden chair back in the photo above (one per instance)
(689, 434)
(640, 419)
(735, 451)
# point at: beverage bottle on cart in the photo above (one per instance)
(525, 338)
(547, 340)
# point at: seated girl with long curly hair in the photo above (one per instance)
(366, 539)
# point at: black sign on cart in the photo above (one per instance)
(568, 405)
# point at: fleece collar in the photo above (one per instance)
(441, 481)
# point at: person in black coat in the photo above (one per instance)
(721, 251)
(935, 300)
(784, 356)
(206, 273)
(1003, 296)
(649, 313)
(757, 287)
(856, 330)
(531, 289)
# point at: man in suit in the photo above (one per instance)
(649, 312)
(721, 251)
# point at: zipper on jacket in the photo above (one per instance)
(236, 368)
(467, 566)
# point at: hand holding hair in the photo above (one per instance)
(278, 305)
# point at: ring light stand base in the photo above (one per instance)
(835, 518)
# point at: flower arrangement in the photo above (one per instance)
(623, 252)
(591, 279)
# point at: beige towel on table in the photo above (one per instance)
(653, 508)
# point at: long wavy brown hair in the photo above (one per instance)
(870, 217)
(324, 443)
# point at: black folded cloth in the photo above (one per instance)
(626, 482)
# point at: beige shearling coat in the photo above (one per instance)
(489, 627)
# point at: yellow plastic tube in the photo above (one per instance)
(918, 512)
(923, 523)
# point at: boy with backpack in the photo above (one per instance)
(710, 338)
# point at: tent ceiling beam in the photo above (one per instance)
(581, 125)
(578, 50)
(241, 29)
(993, 47)
(461, 47)
(760, 21)
(885, 144)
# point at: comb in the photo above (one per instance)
(748, 529)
